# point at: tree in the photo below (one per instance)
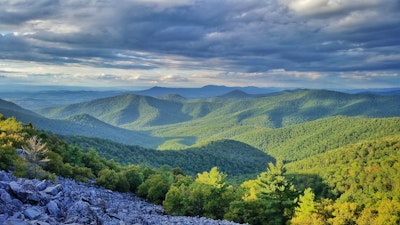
(35, 153)
(306, 204)
(176, 200)
(134, 177)
(306, 212)
(108, 179)
(278, 193)
(156, 187)
(344, 214)
(207, 196)
(213, 178)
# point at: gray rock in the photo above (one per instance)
(4, 176)
(3, 217)
(40, 186)
(4, 185)
(81, 213)
(53, 190)
(18, 190)
(32, 212)
(5, 196)
(70, 202)
(17, 204)
(53, 209)
(15, 221)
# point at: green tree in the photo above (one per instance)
(250, 211)
(208, 195)
(156, 187)
(344, 214)
(8, 155)
(278, 193)
(108, 179)
(91, 159)
(134, 177)
(305, 213)
(213, 178)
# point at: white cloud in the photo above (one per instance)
(328, 7)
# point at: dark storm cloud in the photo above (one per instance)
(17, 12)
(243, 36)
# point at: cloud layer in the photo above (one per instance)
(318, 43)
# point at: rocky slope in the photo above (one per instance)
(24, 201)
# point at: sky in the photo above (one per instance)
(192, 43)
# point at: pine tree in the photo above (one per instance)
(278, 193)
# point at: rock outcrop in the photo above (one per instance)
(24, 201)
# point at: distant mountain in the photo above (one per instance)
(10, 106)
(179, 122)
(208, 91)
(42, 99)
(273, 110)
(237, 94)
(79, 125)
(379, 91)
(124, 110)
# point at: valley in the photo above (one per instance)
(338, 149)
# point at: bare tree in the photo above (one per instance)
(35, 152)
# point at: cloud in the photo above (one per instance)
(326, 8)
(306, 38)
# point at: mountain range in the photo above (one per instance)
(156, 121)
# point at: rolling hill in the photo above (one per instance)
(232, 157)
(81, 124)
(274, 110)
(365, 172)
(182, 122)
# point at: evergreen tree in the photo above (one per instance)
(278, 193)
(306, 212)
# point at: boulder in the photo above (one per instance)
(41, 185)
(53, 209)
(81, 213)
(15, 221)
(53, 190)
(24, 201)
(32, 212)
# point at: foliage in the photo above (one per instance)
(270, 199)
(156, 186)
(208, 195)
(232, 157)
(364, 179)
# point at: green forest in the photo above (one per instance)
(352, 181)
(170, 122)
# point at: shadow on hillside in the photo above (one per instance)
(315, 182)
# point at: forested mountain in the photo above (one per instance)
(28, 98)
(274, 110)
(231, 157)
(208, 91)
(81, 124)
(363, 180)
(273, 123)
(129, 110)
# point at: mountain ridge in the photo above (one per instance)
(176, 121)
